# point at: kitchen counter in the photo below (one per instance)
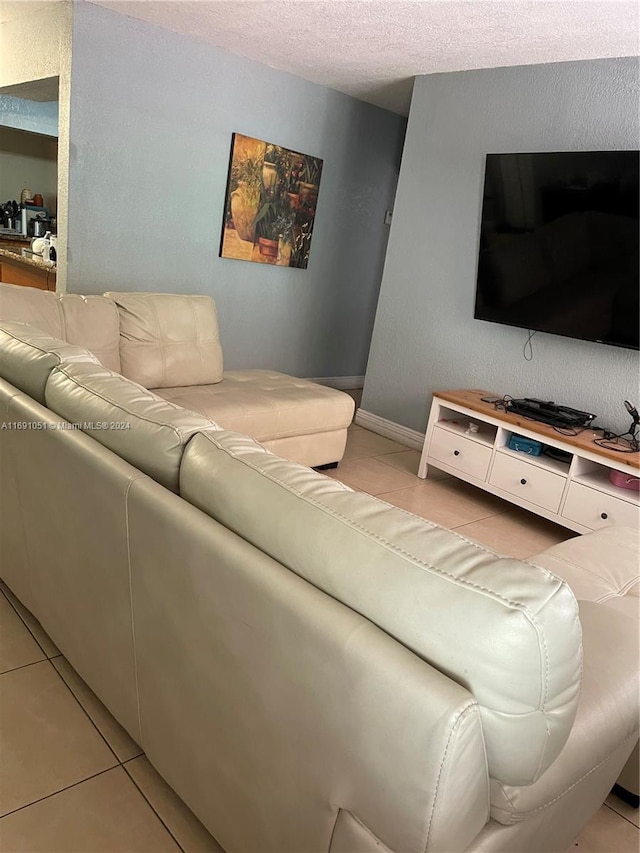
(13, 237)
(29, 272)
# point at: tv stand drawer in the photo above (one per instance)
(528, 482)
(595, 509)
(464, 454)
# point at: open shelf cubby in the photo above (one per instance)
(559, 466)
(598, 476)
(462, 424)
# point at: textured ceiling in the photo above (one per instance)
(372, 50)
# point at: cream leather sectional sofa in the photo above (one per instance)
(308, 667)
(171, 344)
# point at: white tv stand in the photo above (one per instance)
(575, 492)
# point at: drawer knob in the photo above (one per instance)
(456, 453)
(603, 515)
(523, 481)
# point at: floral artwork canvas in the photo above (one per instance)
(270, 205)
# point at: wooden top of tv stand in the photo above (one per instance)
(584, 440)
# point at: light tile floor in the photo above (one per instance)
(73, 781)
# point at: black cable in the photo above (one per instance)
(625, 442)
(569, 431)
(528, 344)
(630, 439)
(503, 405)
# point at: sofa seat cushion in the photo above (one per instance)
(38, 308)
(133, 422)
(168, 340)
(93, 322)
(266, 405)
(602, 567)
(507, 631)
(28, 355)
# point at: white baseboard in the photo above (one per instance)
(390, 429)
(343, 383)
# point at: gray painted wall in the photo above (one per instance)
(425, 337)
(36, 116)
(151, 118)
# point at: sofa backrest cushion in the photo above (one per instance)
(139, 426)
(38, 308)
(507, 631)
(86, 321)
(28, 355)
(169, 340)
(93, 322)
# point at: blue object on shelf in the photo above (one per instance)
(525, 445)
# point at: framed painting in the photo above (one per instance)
(270, 204)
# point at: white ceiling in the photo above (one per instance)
(372, 49)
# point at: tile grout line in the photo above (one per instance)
(624, 817)
(23, 666)
(484, 518)
(119, 763)
(406, 488)
(31, 634)
(94, 775)
(49, 660)
(54, 793)
(146, 799)
(85, 712)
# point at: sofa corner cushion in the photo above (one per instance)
(601, 566)
(38, 308)
(168, 340)
(507, 631)
(28, 355)
(139, 426)
(93, 322)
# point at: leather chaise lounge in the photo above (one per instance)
(171, 344)
(311, 669)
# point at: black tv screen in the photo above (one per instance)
(559, 248)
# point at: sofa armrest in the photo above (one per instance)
(604, 732)
(603, 567)
(606, 725)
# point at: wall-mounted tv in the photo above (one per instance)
(559, 247)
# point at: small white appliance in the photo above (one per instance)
(41, 246)
(29, 212)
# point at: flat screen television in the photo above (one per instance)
(559, 248)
